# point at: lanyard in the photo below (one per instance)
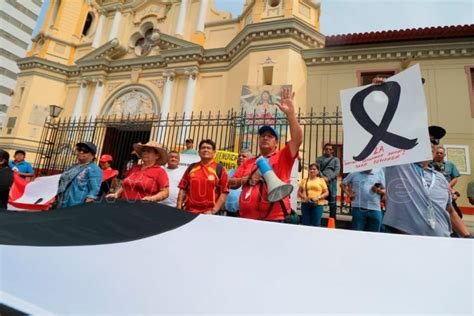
(425, 184)
(430, 213)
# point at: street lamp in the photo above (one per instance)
(55, 110)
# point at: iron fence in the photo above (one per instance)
(232, 130)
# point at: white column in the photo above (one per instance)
(165, 105)
(115, 23)
(99, 88)
(181, 17)
(202, 16)
(188, 101)
(79, 105)
(99, 30)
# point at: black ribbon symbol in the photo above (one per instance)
(379, 132)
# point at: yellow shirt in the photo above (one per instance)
(314, 187)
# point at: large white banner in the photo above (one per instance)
(221, 265)
(385, 125)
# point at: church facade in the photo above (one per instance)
(97, 58)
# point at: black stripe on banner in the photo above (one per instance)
(10, 311)
(90, 224)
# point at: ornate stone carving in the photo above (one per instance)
(111, 87)
(132, 103)
(145, 43)
(159, 11)
(158, 83)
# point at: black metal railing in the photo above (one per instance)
(232, 130)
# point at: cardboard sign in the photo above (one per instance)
(385, 125)
(227, 158)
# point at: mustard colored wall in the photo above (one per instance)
(211, 93)
(37, 91)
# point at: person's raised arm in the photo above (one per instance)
(287, 106)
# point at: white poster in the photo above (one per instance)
(187, 159)
(385, 125)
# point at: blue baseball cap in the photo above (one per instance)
(268, 128)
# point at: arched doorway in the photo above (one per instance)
(130, 105)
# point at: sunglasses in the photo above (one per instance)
(83, 150)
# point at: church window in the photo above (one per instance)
(365, 78)
(470, 81)
(268, 75)
(57, 4)
(274, 3)
(87, 24)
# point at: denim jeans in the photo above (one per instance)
(332, 198)
(311, 214)
(366, 220)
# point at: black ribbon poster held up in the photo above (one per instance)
(379, 132)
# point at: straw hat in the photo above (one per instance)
(163, 159)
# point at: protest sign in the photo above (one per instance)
(385, 125)
(227, 158)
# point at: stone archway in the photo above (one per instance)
(132, 100)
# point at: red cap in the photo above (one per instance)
(106, 158)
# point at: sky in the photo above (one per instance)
(358, 16)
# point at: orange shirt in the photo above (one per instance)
(203, 187)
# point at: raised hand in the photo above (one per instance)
(286, 104)
(378, 80)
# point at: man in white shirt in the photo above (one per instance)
(175, 173)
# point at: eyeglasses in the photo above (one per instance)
(83, 150)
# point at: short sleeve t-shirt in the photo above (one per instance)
(203, 187)
(408, 197)
(362, 184)
(174, 176)
(23, 167)
(140, 183)
(314, 188)
(253, 200)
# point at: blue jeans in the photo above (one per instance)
(366, 220)
(311, 214)
(332, 198)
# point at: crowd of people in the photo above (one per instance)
(417, 198)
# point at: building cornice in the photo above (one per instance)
(41, 63)
(285, 28)
(431, 50)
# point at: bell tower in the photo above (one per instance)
(307, 11)
(68, 24)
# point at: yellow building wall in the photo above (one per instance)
(210, 93)
(238, 76)
(38, 91)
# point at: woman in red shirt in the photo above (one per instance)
(148, 181)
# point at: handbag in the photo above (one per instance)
(311, 202)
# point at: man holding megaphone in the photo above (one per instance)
(255, 202)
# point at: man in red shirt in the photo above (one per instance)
(253, 201)
(203, 187)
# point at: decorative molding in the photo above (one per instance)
(399, 52)
(111, 87)
(191, 72)
(159, 83)
(169, 74)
